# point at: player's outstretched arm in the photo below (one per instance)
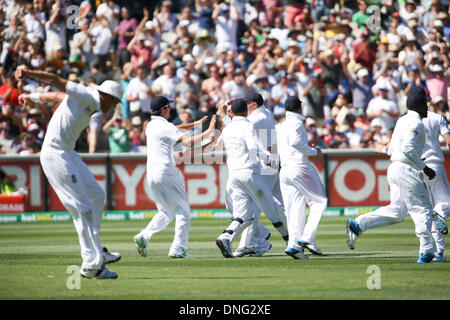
(191, 125)
(25, 98)
(42, 76)
(191, 141)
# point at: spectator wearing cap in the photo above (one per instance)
(417, 30)
(33, 26)
(409, 8)
(376, 125)
(410, 54)
(204, 44)
(235, 88)
(431, 14)
(186, 91)
(117, 131)
(165, 18)
(126, 32)
(437, 81)
(281, 92)
(383, 109)
(137, 134)
(26, 145)
(226, 19)
(94, 72)
(139, 92)
(361, 87)
(361, 120)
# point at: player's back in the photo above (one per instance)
(435, 125)
(240, 143)
(262, 120)
(161, 137)
(72, 116)
(408, 140)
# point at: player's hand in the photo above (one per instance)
(199, 122)
(429, 172)
(212, 124)
(24, 99)
(21, 74)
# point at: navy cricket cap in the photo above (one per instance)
(238, 106)
(292, 103)
(159, 102)
(255, 97)
(417, 96)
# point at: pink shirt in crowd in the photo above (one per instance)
(126, 26)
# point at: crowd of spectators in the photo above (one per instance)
(351, 63)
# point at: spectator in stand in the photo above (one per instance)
(437, 82)
(9, 91)
(235, 88)
(166, 19)
(329, 132)
(186, 92)
(383, 109)
(140, 50)
(94, 72)
(353, 134)
(226, 19)
(272, 9)
(205, 11)
(55, 30)
(361, 88)
(126, 32)
(117, 131)
(81, 49)
(359, 19)
(139, 93)
(101, 37)
(365, 52)
(137, 135)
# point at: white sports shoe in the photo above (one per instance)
(296, 254)
(103, 273)
(141, 245)
(181, 253)
(311, 247)
(110, 257)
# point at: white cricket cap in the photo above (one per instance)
(149, 25)
(188, 58)
(438, 99)
(136, 121)
(184, 23)
(209, 60)
(376, 123)
(362, 73)
(112, 88)
(436, 68)
(382, 85)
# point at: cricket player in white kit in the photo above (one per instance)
(439, 187)
(244, 151)
(300, 182)
(166, 183)
(408, 191)
(254, 240)
(69, 176)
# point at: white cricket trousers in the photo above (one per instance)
(254, 236)
(169, 193)
(439, 190)
(408, 193)
(245, 190)
(81, 195)
(301, 185)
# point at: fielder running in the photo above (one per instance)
(408, 191)
(244, 151)
(69, 176)
(300, 182)
(165, 180)
(439, 187)
(254, 240)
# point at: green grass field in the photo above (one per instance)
(34, 258)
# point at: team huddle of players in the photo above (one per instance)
(268, 171)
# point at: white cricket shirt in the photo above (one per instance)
(161, 137)
(408, 140)
(435, 125)
(242, 146)
(264, 125)
(293, 141)
(72, 116)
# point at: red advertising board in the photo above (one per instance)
(354, 179)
